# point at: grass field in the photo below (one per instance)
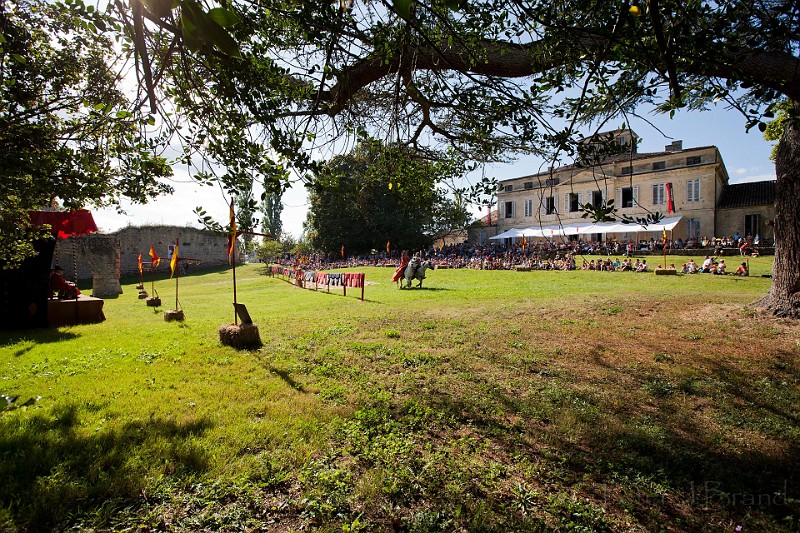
(486, 401)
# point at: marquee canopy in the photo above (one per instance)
(587, 228)
(64, 224)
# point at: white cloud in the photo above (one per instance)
(178, 209)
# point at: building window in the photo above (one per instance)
(659, 165)
(629, 196)
(528, 185)
(482, 238)
(658, 194)
(550, 205)
(509, 210)
(627, 170)
(528, 205)
(597, 198)
(509, 188)
(693, 190)
(752, 225)
(552, 182)
(692, 228)
(574, 202)
(694, 160)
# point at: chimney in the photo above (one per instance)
(676, 146)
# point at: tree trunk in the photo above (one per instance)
(784, 295)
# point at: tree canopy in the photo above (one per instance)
(379, 194)
(68, 134)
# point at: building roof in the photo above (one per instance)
(747, 194)
(618, 158)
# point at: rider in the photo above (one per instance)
(401, 270)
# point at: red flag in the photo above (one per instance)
(388, 246)
(670, 203)
(140, 263)
(155, 261)
(343, 250)
(489, 216)
(232, 236)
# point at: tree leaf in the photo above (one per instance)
(224, 17)
(403, 8)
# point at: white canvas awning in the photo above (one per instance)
(587, 228)
(509, 234)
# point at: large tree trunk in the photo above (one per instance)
(784, 296)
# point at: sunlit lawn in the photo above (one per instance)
(486, 401)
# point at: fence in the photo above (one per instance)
(310, 279)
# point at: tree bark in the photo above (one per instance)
(784, 296)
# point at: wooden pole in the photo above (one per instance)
(177, 273)
(233, 262)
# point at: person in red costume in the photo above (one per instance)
(66, 290)
(401, 270)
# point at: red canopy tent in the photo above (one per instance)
(65, 223)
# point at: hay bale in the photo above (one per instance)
(239, 335)
(142, 294)
(173, 314)
(153, 301)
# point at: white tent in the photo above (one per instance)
(587, 228)
(509, 234)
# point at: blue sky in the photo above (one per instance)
(746, 156)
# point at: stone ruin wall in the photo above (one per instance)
(209, 248)
(103, 258)
(94, 257)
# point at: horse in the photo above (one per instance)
(415, 270)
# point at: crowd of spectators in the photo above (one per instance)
(545, 255)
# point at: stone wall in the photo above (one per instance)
(94, 257)
(104, 258)
(731, 220)
(207, 247)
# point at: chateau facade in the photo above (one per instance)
(694, 179)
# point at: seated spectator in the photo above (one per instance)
(708, 262)
(720, 267)
(642, 266)
(742, 270)
(66, 290)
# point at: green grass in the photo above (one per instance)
(487, 401)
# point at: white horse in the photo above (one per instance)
(415, 270)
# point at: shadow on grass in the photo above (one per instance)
(53, 471)
(286, 376)
(659, 467)
(32, 337)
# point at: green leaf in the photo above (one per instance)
(403, 8)
(2, 38)
(19, 59)
(224, 17)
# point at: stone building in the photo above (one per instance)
(748, 209)
(694, 179)
(103, 258)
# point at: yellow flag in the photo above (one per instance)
(173, 263)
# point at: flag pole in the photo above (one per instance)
(233, 263)
(177, 274)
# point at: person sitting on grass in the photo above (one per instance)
(742, 270)
(721, 267)
(642, 266)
